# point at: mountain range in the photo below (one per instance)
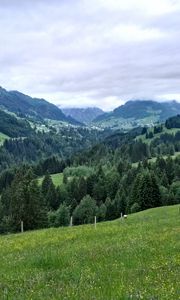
(26, 106)
(131, 114)
(138, 113)
(83, 115)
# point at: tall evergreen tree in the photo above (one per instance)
(120, 202)
(37, 215)
(47, 181)
(51, 199)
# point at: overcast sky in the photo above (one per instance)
(91, 52)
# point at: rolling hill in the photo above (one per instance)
(25, 106)
(83, 115)
(136, 258)
(138, 113)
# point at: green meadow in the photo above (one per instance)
(134, 258)
(56, 178)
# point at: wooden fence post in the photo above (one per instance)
(71, 221)
(22, 227)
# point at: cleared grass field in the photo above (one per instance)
(56, 178)
(137, 258)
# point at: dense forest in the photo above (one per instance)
(37, 146)
(122, 174)
(13, 127)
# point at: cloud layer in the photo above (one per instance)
(98, 52)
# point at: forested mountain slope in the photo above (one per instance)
(138, 113)
(13, 127)
(24, 105)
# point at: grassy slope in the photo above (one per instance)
(56, 178)
(137, 258)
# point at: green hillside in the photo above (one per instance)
(136, 258)
(13, 127)
(138, 113)
(38, 109)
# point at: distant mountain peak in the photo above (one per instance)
(85, 114)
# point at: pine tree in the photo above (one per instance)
(146, 191)
(51, 199)
(82, 188)
(91, 180)
(37, 216)
(134, 197)
(47, 181)
(120, 202)
(110, 209)
(102, 212)
(156, 195)
(84, 213)
(62, 216)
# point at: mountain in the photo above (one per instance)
(24, 105)
(83, 115)
(138, 113)
(13, 127)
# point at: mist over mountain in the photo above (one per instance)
(138, 112)
(84, 115)
(131, 114)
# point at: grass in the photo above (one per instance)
(3, 137)
(56, 178)
(137, 258)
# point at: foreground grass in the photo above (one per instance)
(56, 178)
(137, 258)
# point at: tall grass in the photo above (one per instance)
(137, 258)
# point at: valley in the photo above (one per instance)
(89, 150)
(55, 171)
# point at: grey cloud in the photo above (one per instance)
(69, 50)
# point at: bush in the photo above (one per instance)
(84, 213)
(51, 218)
(102, 212)
(135, 208)
(62, 216)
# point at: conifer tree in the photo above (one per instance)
(51, 199)
(45, 184)
(37, 215)
(120, 202)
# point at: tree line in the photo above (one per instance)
(108, 191)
